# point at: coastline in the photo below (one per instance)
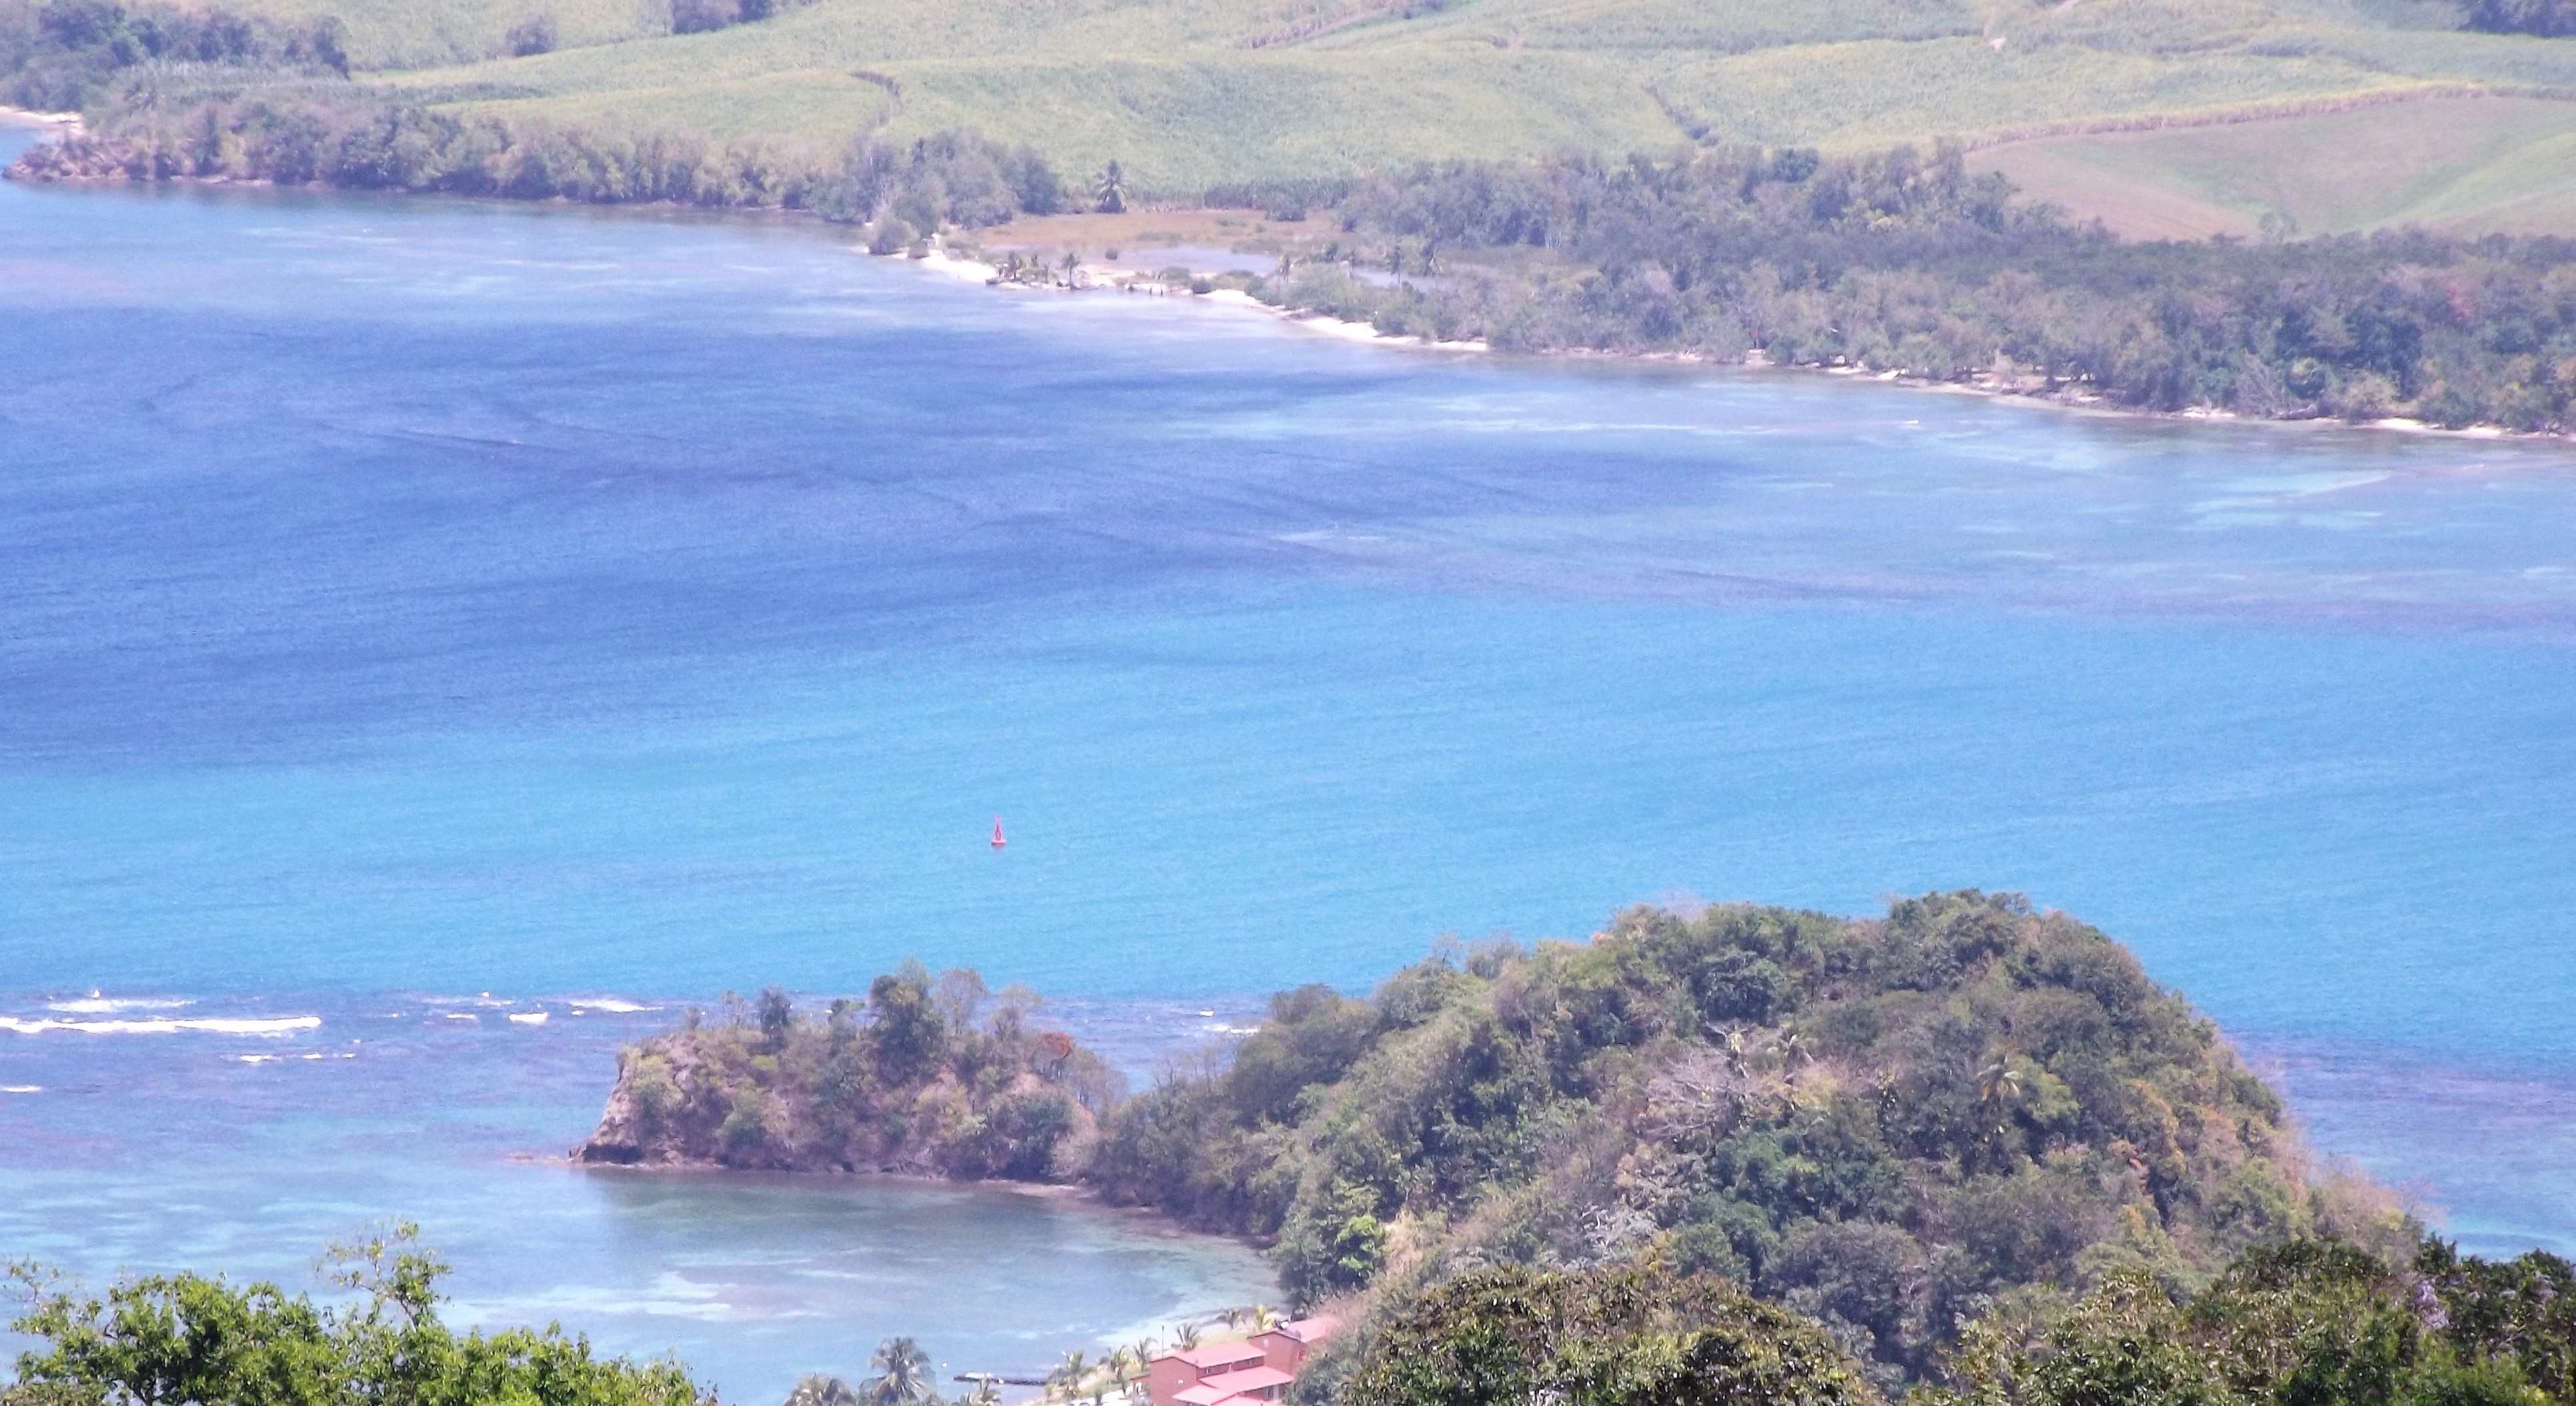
(66, 123)
(1091, 277)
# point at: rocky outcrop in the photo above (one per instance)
(913, 1082)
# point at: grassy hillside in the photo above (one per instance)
(1190, 92)
(2456, 164)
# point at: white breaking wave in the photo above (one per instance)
(21, 1088)
(528, 1018)
(164, 1025)
(611, 1004)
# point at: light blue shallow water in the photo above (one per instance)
(405, 597)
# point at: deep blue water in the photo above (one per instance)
(405, 600)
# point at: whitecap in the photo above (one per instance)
(163, 1025)
(463, 1015)
(21, 1088)
(255, 1059)
(611, 1004)
(528, 1018)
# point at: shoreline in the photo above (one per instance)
(67, 123)
(1103, 278)
(1062, 1191)
(1094, 277)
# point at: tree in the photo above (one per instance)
(816, 1389)
(1066, 1379)
(533, 35)
(1631, 1336)
(961, 996)
(2304, 1322)
(777, 1017)
(903, 1373)
(185, 1338)
(905, 1028)
(1109, 193)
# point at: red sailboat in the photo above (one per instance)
(997, 832)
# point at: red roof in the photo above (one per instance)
(1219, 1357)
(1200, 1395)
(1247, 1381)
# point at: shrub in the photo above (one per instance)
(533, 35)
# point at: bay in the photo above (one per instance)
(402, 601)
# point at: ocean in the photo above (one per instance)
(418, 617)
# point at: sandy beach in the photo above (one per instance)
(64, 122)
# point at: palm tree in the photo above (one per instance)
(903, 1373)
(816, 1389)
(1187, 1337)
(1263, 1317)
(1068, 1374)
(1111, 193)
(1997, 1087)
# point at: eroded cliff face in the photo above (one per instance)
(915, 1089)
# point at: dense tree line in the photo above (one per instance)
(67, 55)
(356, 142)
(1900, 263)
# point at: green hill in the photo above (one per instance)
(2460, 165)
(1889, 1125)
(1186, 93)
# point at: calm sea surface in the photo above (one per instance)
(419, 617)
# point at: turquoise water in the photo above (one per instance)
(412, 600)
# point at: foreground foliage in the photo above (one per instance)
(2300, 1322)
(2305, 1321)
(186, 1338)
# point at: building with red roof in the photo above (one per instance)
(1247, 1373)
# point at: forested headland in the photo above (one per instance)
(1893, 1126)
(932, 1076)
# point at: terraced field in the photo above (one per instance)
(1189, 92)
